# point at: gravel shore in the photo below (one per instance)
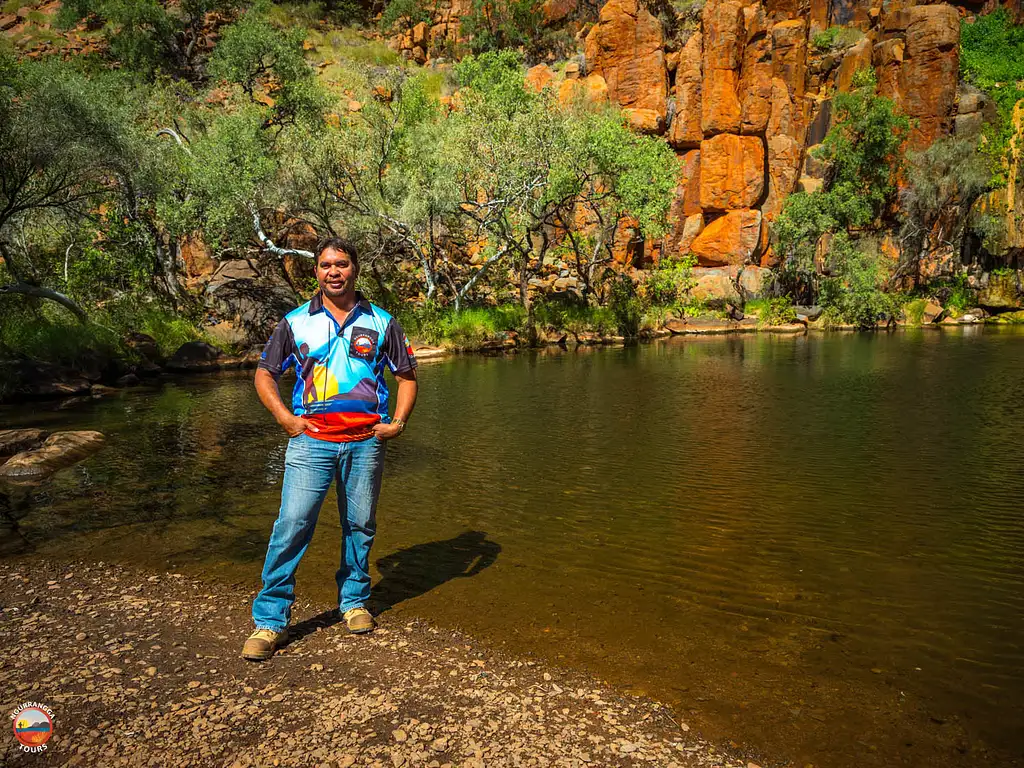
(143, 669)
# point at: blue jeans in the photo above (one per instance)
(309, 467)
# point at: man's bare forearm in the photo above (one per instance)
(405, 400)
(266, 388)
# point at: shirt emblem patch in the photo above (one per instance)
(364, 343)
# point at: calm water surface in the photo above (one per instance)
(813, 547)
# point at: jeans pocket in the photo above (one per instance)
(294, 444)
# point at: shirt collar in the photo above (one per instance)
(316, 304)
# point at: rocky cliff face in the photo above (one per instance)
(749, 95)
(746, 95)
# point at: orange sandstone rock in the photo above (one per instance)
(724, 34)
(720, 104)
(855, 59)
(732, 239)
(626, 47)
(685, 131)
(785, 138)
(690, 174)
(755, 86)
(555, 11)
(732, 172)
(930, 73)
(789, 56)
(592, 89)
(539, 77)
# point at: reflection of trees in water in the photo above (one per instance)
(186, 453)
(12, 541)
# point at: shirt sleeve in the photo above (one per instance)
(280, 352)
(397, 349)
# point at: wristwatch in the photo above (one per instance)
(400, 423)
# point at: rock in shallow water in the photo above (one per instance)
(59, 451)
(14, 441)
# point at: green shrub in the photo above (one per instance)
(169, 330)
(992, 58)
(774, 311)
(913, 311)
(961, 297)
(495, 25)
(670, 283)
(854, 290)
(655, 317)
(863, 154)
(46, 332)
(836, 37)
(465, 329)
(403, 14)
(626, 306)
(574, 317)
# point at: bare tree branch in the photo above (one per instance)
(268, 244)
(46, 293)
(176, 136)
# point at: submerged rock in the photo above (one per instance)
(60, 450)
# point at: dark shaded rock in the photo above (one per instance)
(194, 357)
(248, 304)
(248, 360)
(144, 346)
(129, 380)
(60, 450)
(28, 379)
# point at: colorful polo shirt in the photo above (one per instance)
(339, 369)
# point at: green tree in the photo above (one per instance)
(151, 36)
(529, 169)
(269, 66)
(944, 182)
(992, 58)
(495, 25)
(853, 286)
(862, 157)
(65, 149)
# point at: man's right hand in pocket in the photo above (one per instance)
(296, 425)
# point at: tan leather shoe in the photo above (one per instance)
(262, 643)
(358, 620)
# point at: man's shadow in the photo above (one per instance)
(414, 571)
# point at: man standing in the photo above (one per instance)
(338, 423)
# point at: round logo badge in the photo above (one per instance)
(33, 726)
(363, 344)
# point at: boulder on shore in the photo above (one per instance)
(1000, 293)
(195, 356)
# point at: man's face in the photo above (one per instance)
(336, 273)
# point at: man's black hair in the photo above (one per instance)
(337, 244)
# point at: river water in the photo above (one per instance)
(812, 547)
